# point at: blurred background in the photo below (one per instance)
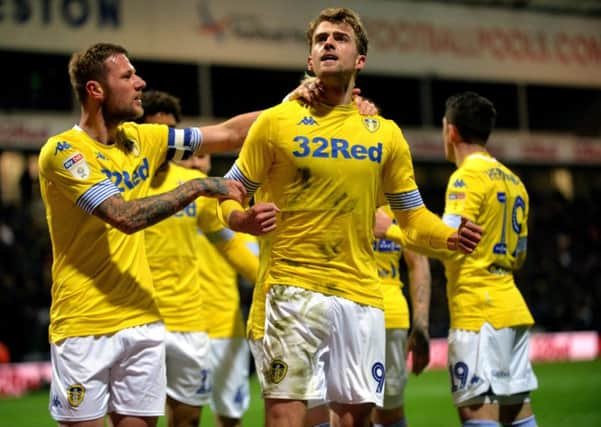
(539, 61)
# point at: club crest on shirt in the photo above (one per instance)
(77, 166)
(371, 124)
(75, 394)
(277, 371)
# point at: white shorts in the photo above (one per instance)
(489, 363)
(122, 373)
(189, 374)
(396, 368)
(230, 358)
(320, 347)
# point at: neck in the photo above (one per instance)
(338, 90)
(463, 150)
(97, 126)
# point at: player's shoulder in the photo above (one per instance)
(387, 130)
(59, 147)
(66, 139)
(133, 130)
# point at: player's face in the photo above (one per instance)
(334, 50)
(123, 89)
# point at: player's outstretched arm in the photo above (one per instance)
(134, 215)
(426, 233)
(228, 135)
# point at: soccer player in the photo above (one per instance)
(215, 368)
(320, 170)
(106, 334)
(491, 375)
(388, 250)
(178, 257)
(229, 355)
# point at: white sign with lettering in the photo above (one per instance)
(405, 38)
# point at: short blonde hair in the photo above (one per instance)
(90, 65)
(341, 15)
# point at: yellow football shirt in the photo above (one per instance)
(101, 281)
(388, 257)
(174, 252)
(480, 286)
(219, 281)
(323, 167)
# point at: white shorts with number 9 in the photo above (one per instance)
(320, 347)
(490, 365)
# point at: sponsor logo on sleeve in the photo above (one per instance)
(77, 166)
(456, 196)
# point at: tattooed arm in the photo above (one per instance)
(135, 215)
(419, 290)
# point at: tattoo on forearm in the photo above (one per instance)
(213, 187)
(420, 297)
(138, 214)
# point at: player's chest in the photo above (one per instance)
(131, 173)
(340, 146)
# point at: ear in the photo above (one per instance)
(360, 62)
(310, 64)
(454, 134)
(94, 90)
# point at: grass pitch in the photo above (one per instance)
(568, 395)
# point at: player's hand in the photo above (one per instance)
(311, 90)
(383, 223)
(466, 238)
(235, 190)
(418, 344)
(257, 220)
(364, 105)
(222, 188)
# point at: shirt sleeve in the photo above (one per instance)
(256, 156)
(398, 175)
(73, 169)
(463, 197)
